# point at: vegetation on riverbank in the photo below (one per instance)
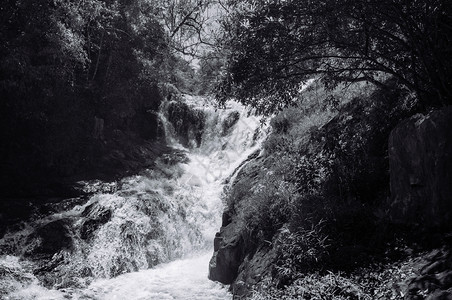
(314, 211)
(379, 280)
(315, 208)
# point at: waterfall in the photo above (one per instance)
(150, 236)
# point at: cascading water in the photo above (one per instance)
(149, 237)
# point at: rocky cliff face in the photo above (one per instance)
(238, 259)
(420, 155)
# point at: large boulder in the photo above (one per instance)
(229, 252)
(420, 157)
(49, 239)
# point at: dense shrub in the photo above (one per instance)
(313, 286)
(298, 251)
(263, 203)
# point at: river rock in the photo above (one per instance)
(420, 156)
(228, 255)
(226, 218)
(445, 279)
(434, 279)
(440, 295)
(49, 239)
(435, 267)
(254, 268)
(188, 122)
(230, 121)
(94, 217)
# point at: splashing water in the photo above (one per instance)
(150, 237)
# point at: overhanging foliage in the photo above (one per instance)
(276, 45)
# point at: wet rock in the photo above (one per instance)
(175, 157)
(423, 283)
(236, 262)
(255, 267)
(225, 263)
(445, 279)
(435, 280)
(96, 216)
(13, 276)
(440, 295)
(12, 212)
(435, 267)
(230, 121)
(122, 266)
(226, 218)
(228, 256)
(420, 155)
(435, 255)
(49, 239)
(217, 241)
(188, 122)
(48, 270)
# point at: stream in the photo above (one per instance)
(148, 236)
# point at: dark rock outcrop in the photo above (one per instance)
(95, 217)
(435, 278)
(229, 253)
(187, 122)
(226, 218)
(233, 244)
(230, 121)
(255, 267)
(235, 261)
(49, 239)
(420, 155)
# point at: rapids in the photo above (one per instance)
(148, 236)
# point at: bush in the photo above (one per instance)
(278, 143)
(266, 207)
(299, 251)
(314, 286)
(280, 123)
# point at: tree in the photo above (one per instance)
(276, 45)
(64, 64)
(186, 23)
(209, 73)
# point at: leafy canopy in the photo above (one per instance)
(275, 45)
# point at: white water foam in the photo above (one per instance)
(187, 237)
